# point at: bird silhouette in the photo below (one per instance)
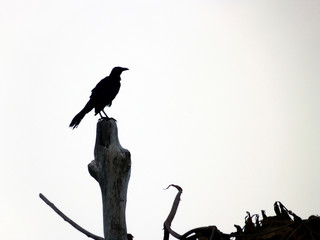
(101, 96)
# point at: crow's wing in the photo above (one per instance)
(104, 92)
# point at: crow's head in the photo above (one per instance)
(116, 71)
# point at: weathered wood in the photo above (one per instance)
(111, 168)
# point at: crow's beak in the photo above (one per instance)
(125, 69)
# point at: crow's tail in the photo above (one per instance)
(77, 119)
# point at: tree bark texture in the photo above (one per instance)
(111, 168)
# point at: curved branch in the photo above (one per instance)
(61, 214)
(168, 221)
(210, 232)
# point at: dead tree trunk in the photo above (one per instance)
(111, 168)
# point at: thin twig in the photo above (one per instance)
(61, 214)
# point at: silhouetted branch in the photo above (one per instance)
(168, 221)
(61, 214)
(209, 233)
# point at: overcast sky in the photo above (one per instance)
(222, 98)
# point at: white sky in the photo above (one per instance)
(221, 98)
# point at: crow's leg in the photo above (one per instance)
(101, 115)
(105, 114)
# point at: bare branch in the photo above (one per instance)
(61, 214)
(167, 223)
(210, 232)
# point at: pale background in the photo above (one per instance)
(222, 98)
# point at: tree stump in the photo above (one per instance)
(111, 168)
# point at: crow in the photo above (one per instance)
(102, 95)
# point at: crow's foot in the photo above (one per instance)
(106, 119)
